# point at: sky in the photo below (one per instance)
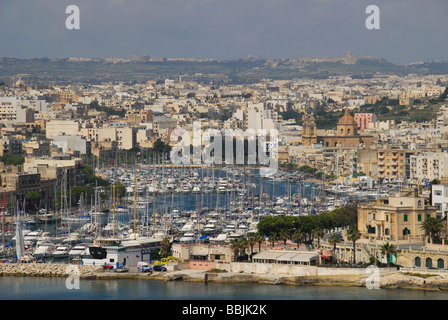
(410, 31)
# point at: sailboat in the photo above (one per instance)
(20, 244)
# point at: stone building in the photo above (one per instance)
(396, 218)
(346, 136)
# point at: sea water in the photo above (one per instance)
(26, 288)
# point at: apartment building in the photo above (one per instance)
(394, 163)
(439, 198)
(61, 127)
(365, 119)
(428, 166)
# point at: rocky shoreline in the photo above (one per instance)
(395, 280)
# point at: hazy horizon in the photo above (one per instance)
(410, 31)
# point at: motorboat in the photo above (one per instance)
(77, 250)
(61, 252)
(44, 251)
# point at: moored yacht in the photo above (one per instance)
(61, 252)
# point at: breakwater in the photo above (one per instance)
(45, 270)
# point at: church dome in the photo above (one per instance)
(347, 118)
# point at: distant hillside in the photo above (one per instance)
(141, 68)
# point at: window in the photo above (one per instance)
(406, 232)
(405, 218)
(440, 263)
(437, 192)
(419, 217)
(386, 231)
(428, 263)
(418, 262)
(419, 203)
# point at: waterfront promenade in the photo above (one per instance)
(407, 278)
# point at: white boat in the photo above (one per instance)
(77, 251)
(188, 237)
(44, 251)
(33, 236)
(188, 226)
(61, 252)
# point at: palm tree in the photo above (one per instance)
(273, 239)
(235, 246)
(388, 250)
(283, 236)
(433, 227)
(353, 235)
(251, 240)
(319, 234)
(243, 244)
(334, 239)
(166, 247)
(298, 237)
(259, 239)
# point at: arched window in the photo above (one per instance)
(418, 262)
(406, 232)
(440, 264)
(428, 263)
(386, 231)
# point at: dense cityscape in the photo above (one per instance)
(360, 180)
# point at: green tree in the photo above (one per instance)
(387, 250)
(12, 159)
(251, 240)
(235, 246)
(283, 236)
(33, 199)
(298, 237)
(260, 239)
(433, 227)
(160, 147)
(166, 247)
(334, 240)
(353, 235)
(319, 234)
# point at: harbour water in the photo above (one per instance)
(26, 288)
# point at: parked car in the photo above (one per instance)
(159, 268)
(121, 269)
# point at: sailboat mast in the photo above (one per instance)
(154, 210)
(135, 200)
(113, 210)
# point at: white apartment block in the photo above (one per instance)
(56, 128)
(124, 136)
(439, 195)
(12, 111)
(428, 166)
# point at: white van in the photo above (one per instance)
(143, 267)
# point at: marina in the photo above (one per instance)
(183, 204)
